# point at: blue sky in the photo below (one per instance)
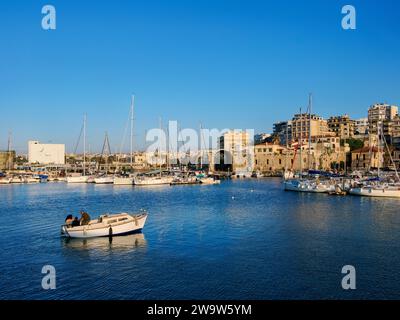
(237, 64)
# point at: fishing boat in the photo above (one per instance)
(107, 225)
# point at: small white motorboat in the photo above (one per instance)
(107, 226)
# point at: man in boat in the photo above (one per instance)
(69, 219)
(85, 218)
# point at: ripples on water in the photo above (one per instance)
(238, 240)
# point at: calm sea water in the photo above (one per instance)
(245, 239)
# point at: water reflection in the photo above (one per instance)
(123, 243)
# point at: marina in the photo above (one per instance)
(210, 151)
(243, 239)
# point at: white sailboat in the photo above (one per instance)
(104, 180)
(306, 186)
(123, 181)
(154, 179)
(382, 190)
(78, 179)
(83, 178)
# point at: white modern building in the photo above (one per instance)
(46, 153)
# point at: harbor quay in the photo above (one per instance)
(306, 142)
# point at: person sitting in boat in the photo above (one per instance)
(75, 223)
(69, 219)
(85, 218)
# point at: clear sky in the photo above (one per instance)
(237, 64)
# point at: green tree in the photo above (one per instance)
(355, 144)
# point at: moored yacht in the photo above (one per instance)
(153, 180)
(5, 180)
(123, 180)
(306, 186)
(104, 180)
(77, 179)
(384, 191)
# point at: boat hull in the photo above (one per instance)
(5, 181)
(373, 192)
(104, 180)
(153, 181)
(80, 179)
(120, 181)
(303, 187)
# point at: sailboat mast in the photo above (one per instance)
(287, 146)
(309, 132)
(84, 144)
(9, 156)
(201, 149)
(159, 148)
(301, 142)
(379, 148)
(132, 103)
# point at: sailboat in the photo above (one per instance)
(119, 180)
(301, 184)
(382, 190)
(155, 177)
(82, 178)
